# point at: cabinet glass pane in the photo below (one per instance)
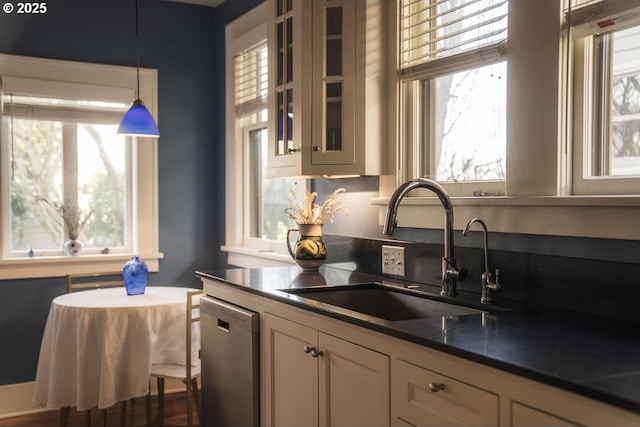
(334, 90)
(279, 7)
(289, 121)
(289, 41)
(334, 21)
(280, 57)
(334, 117)
(334, 58)
(289, 5)
(281, 115)
(333, 37)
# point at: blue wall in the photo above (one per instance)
(186, 44)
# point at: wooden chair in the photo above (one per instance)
(187, 374)
(85, 281)
(93, 280)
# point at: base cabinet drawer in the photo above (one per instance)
(427, 398)
(525, 416)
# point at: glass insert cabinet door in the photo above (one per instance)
(324, 60)
(284, 76)
(286, 43)
(334, 47)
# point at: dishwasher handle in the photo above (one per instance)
(229, 315)
(224, 326)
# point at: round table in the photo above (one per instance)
(99, 345)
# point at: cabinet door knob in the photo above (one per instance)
(308, 349)
(291, 150)
(436, 387)
(315, 148)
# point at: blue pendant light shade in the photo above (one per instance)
(138, 120)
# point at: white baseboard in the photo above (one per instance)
(17, 399)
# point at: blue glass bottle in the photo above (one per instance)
(134, 274)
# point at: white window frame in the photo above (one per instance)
(581, 37)
(243, 251)
(120, 83)
(55, 90)
(414, 133)
(538, 199)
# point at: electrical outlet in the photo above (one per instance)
(393, 260)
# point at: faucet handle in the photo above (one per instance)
(489, 286)
(494, 285)
(460, 273)
(454, 272)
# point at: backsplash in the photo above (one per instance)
(588, 283)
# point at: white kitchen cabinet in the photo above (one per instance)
(535, 405)
(477, 395)
(524, 416)
(326, 87)
(431, 399)
(292, 374)
(314, 378)
(532, 404)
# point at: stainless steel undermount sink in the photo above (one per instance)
(382, 301)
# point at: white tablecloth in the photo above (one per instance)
(98, 345)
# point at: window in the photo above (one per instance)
(606, 38)
(266, 220)
(256, 220)
(64, 157)
(453, 73)
(59, 151)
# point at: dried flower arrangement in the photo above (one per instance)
(304, 210)
(72, 219)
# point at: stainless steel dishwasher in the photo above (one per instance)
(230, 364)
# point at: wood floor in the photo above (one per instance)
(175, 415)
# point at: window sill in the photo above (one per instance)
(541, 201)
(58, 266)
(609, 217)
(252, 258)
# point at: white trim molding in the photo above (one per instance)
(110, 82)
(611, 217)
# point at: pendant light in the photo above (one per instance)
(137, 121)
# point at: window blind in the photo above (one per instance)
(592, 17)
(62, 101)
(64, 110)
(436, 36)
(251, 82)
(62, 114)
(66, 90)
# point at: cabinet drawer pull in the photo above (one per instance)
(314, 351)
(436, 387)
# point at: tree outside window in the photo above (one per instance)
(68, 178)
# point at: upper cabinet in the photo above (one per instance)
(327, 87)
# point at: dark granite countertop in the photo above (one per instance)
(592, 356)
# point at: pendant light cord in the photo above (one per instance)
(137, 55)
(138, 121)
